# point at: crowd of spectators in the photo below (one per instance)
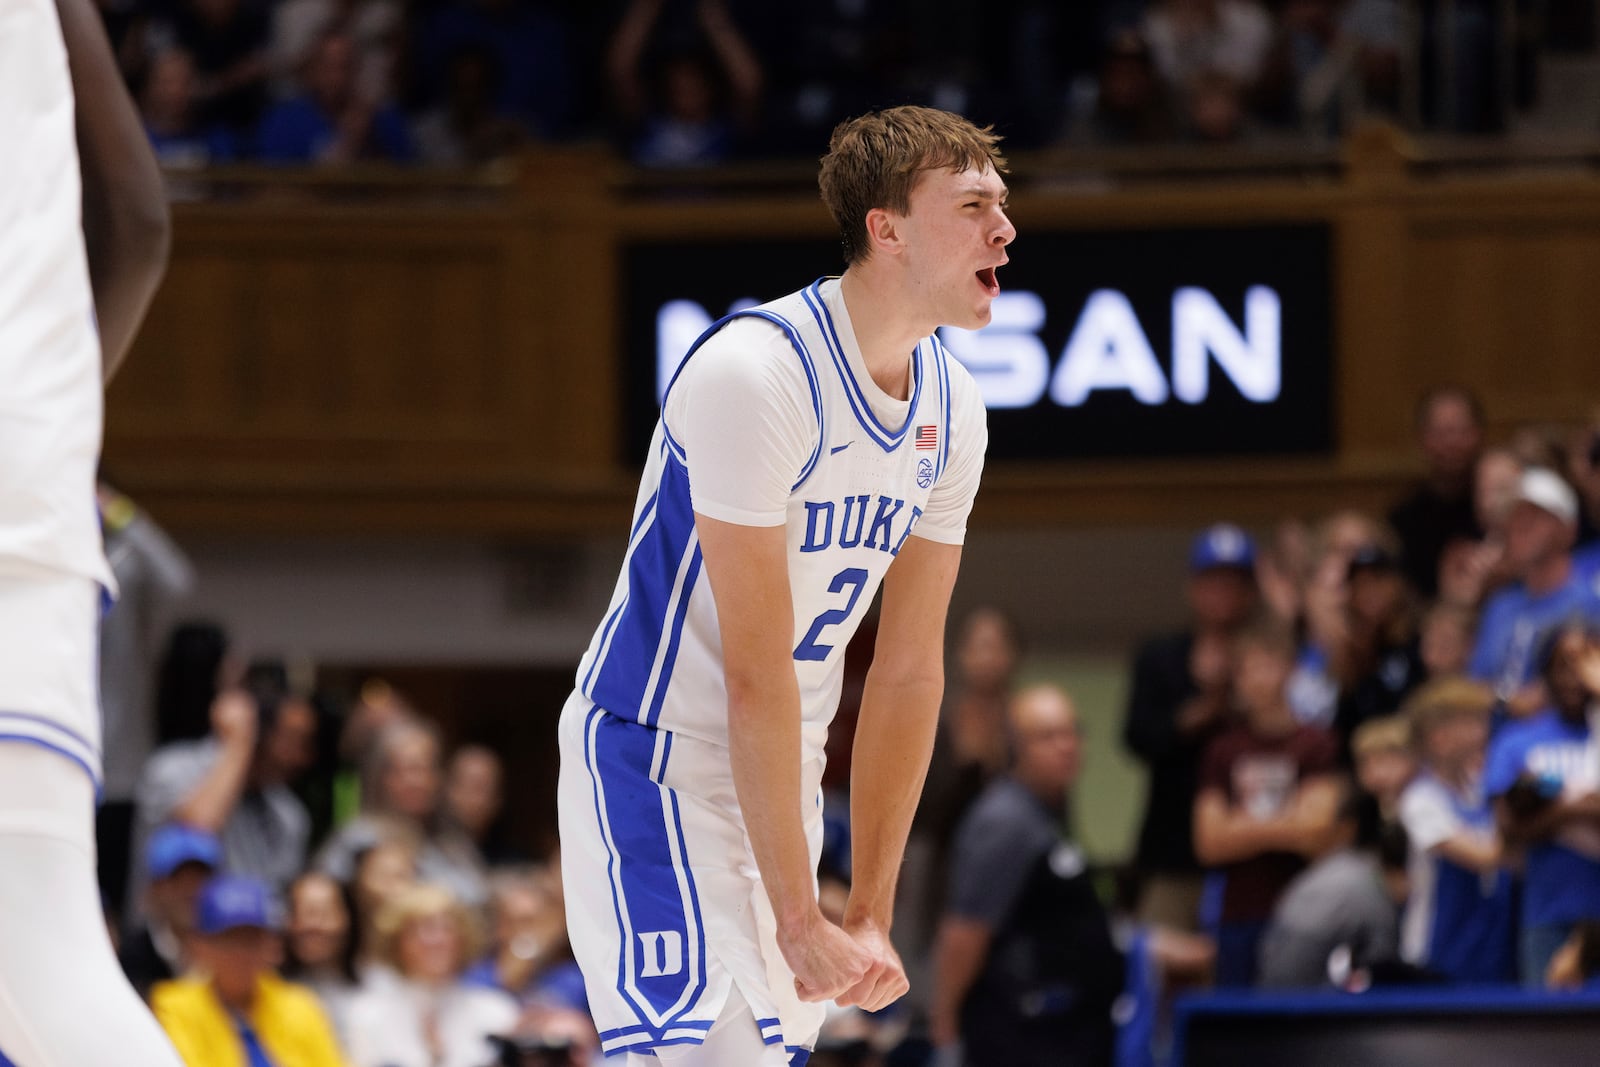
(1371, 762)
(687, 83)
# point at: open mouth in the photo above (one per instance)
(990, 283)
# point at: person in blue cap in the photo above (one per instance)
(1178, 701)
(233, 1010)
(178, 860)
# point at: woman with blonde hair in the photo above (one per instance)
(423, 1014)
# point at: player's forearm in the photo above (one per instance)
(126, 226)
(764, 750)
(894, 739)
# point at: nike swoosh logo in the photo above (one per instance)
(841, 448)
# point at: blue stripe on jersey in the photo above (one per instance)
(66, 732)
(653, 893)
(602, 647)
(886, 439)
(806, 363)
(674, 639)
(5, 1061)
(620, 677)
(940, 358)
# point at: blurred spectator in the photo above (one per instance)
(1268, 797)
(227, 40)
(1129, 106)
(1469, 571)
(1445, 640)
(700, 96)
(1583, 470)
(1215, 109)
(531, 45)
(426, 1016)
(1440, 509)
(464, 128)
(234, 1011)
(400, 792)
(172, 120)
(1179, 699)
(187, 681)
(237, 782)
(528, 954)
(320, 945)
(179, 860)
(373, 26)
(1347, 901)
(474, 795)
(1380, 662)
(1026, 971)
(1335, 59)
(1193, 39)
(152, 575)
(968, 753)
(1543, 777)
(331, 122)
(1549, 592)
(1384, 764)
(382, 872)
(1323, 666)
(1460, 920)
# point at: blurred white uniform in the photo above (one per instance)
(56, 960)
(772, 420)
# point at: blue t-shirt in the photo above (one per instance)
(1562, 884)
(298, 131)
(1516, 623)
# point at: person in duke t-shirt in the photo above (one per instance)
(1544, 774)
(1460, 919)
(1549, 591)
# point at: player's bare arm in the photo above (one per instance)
(893, 743)
(749, 573)
(126, 224)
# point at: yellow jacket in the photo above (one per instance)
(287, 1018)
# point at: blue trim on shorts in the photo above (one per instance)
(798, 1057)
(65, 731)
(29, 739)
(5, 1061)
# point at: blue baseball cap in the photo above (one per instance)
(173, 845)
(230, 901)
(1222, 545)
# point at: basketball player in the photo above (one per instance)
(808, 450)
(75, 245)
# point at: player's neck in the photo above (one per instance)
(885, 332)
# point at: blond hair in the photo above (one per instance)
(1445, 699)
(425, 900)
(1392, 733)
(874, 161)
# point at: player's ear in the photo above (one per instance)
(883, 231)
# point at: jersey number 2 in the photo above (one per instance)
(856, 579)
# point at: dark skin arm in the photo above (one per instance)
(126, 226)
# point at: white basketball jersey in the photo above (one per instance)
(50, 382)
(860, 489)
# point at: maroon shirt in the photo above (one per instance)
(1259, 775)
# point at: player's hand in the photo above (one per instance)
(234, 718)
(885, 981)
(825, 960)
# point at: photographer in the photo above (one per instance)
(236, 782)
(1542, 773)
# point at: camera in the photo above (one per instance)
(524, 1051)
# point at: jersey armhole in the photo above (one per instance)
(806, 364)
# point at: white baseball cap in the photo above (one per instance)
(1545, 489)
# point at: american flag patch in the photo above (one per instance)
(928, 436)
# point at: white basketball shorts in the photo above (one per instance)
(665, 906)
(49, 685)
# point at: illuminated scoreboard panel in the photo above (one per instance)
(1103, 343)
